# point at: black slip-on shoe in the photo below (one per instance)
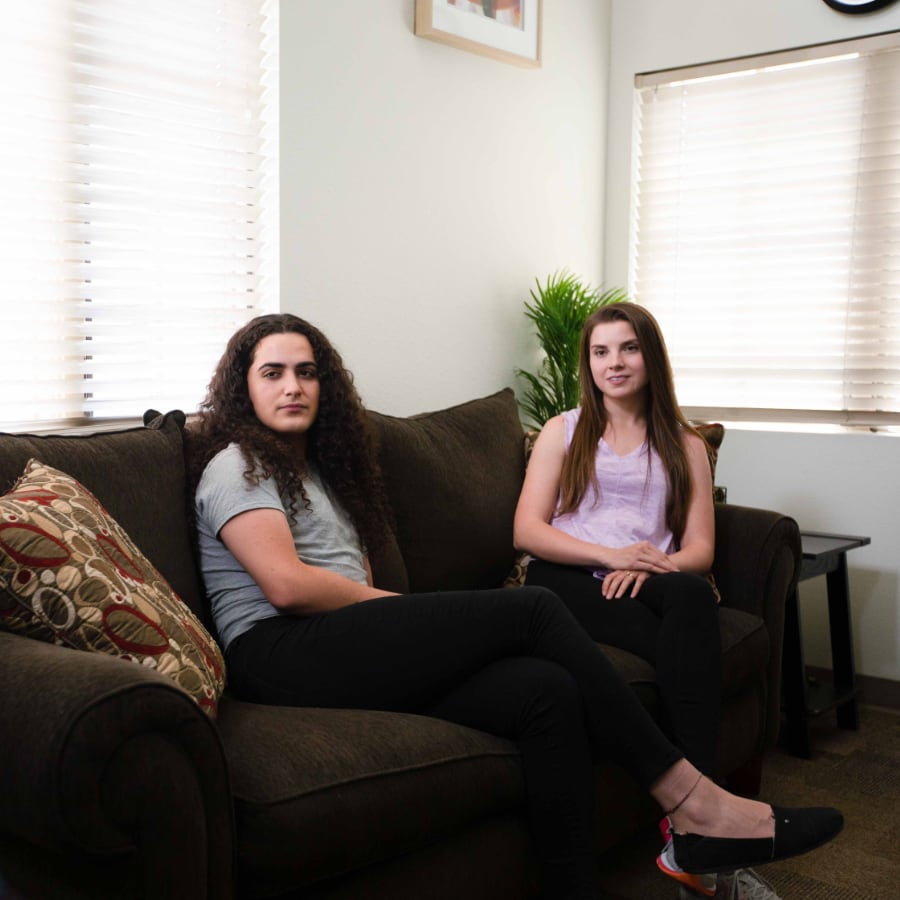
(797, 831)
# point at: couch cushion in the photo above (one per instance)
(70, 575)
(347, 788)
(745, 650)
(453, 479)
(138, 475)
(388, 568)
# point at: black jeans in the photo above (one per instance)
(673, 623)
(514, 663)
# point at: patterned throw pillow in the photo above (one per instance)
(516, 577)
(69, 574)
(713, 433)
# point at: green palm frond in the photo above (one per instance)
(558, 310)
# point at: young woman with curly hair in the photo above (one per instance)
(288, 503)
(339, 446)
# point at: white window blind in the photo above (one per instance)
(138, 225)
(766, 232)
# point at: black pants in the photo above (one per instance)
(514, 663)
(673, 623)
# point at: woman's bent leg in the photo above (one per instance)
(534, 701)
(673, 623)
(688, 662)
(406, 652)
(624, 623)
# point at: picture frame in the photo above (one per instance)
(508, 30)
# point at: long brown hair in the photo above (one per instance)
(666, 423)
(339, 444)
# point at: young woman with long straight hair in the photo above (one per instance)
(617, 511)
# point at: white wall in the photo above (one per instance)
(424, 188)
(837, 482)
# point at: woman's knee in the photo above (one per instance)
(536, 593)
(543, 601)
(689, 593)
(548, 697)
(700, 595)
(534, 600)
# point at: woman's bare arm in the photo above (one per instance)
(698, 543)
(261, 541)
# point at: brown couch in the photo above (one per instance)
(116, 785)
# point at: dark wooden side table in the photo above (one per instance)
(823, 554)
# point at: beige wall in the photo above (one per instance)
(424, 188)
(837, 482)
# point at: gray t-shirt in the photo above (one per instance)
(323, 536)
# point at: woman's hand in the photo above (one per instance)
(643, 555)
(631, 567)
(619, 584)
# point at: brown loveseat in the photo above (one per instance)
(116, 785)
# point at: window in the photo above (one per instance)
(766, 232)
(138, 171)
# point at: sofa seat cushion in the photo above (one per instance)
(323, 792)
(745, 650)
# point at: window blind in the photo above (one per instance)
(138, 170)
(766, 232)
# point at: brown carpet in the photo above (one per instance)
(856, 771)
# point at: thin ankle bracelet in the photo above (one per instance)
(680, 803)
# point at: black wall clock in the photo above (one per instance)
(858, 6)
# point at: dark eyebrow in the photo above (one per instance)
(306, 364)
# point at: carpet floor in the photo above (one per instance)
(856, 771)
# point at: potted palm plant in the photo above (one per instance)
(558, 309)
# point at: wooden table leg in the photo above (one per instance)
(842, 646)
(794, 681)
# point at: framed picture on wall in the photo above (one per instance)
(508, 30)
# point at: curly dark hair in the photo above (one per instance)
(339, 445)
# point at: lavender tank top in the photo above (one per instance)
(630, 505)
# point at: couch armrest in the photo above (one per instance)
(756, 567)
(105, 758)
(757, 559)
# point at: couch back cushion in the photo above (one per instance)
(453, 479)
(138, 475)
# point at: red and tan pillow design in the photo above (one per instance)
(69, 574)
